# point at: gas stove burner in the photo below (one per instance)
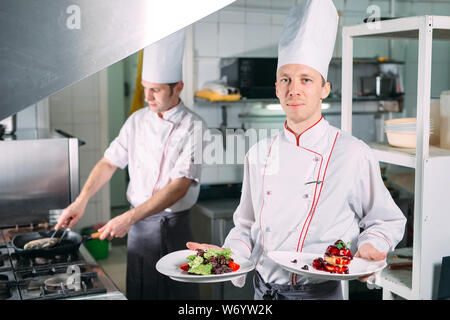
(5, 261)
(49, 270)
(60, 284)
(41, 261)
(8, 286)
(4, 287)
(25, 263)
(25, 277)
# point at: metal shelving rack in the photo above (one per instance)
(431, 240)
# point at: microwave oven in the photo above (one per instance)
(254, 77)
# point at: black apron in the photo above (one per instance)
(329, 290)
(149, 240)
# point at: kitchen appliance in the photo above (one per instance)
(39, 175)
(39, 172)
(378, 85)
(254, 77)
(65, 275)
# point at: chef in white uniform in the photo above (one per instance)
(162, 146)
(312, 183)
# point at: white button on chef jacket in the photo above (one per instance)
(303, 194)
(158, 149)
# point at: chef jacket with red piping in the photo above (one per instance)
(157, 149)
(302, 194)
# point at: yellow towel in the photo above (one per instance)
(214, 96)
(138, 96)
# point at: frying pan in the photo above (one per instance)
(69, 244)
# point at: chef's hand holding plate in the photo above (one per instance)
(367, 251)
(117, 227)
(70, 215)
(204, 246)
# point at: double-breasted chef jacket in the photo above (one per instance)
(302, 194)
(158, 149)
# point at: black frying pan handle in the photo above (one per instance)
(91, 236)
(86, 237)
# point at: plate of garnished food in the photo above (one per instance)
(337, 263)
(203, 266)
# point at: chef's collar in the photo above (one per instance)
(309, 137)
(170, 114)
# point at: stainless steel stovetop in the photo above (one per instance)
(75, 276)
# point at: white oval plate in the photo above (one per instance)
(169, 265)
(357, 268)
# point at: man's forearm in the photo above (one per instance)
(161, 200)
(99, 176)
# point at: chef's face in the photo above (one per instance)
(161, 97)
(301, 89)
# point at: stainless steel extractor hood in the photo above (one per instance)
(47, 45)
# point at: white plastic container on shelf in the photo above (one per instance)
(445, 120)
(402, 132)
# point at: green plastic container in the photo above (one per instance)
(99, 249)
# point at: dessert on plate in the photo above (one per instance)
(336, 259)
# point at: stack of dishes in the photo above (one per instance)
(402, 132)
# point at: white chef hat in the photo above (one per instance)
(163, 60)
(308, 35)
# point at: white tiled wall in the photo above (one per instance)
(78, 110)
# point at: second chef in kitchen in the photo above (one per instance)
(311, 184)
(161, 145)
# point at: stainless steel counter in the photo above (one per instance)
(218, 208)
(217, 214)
